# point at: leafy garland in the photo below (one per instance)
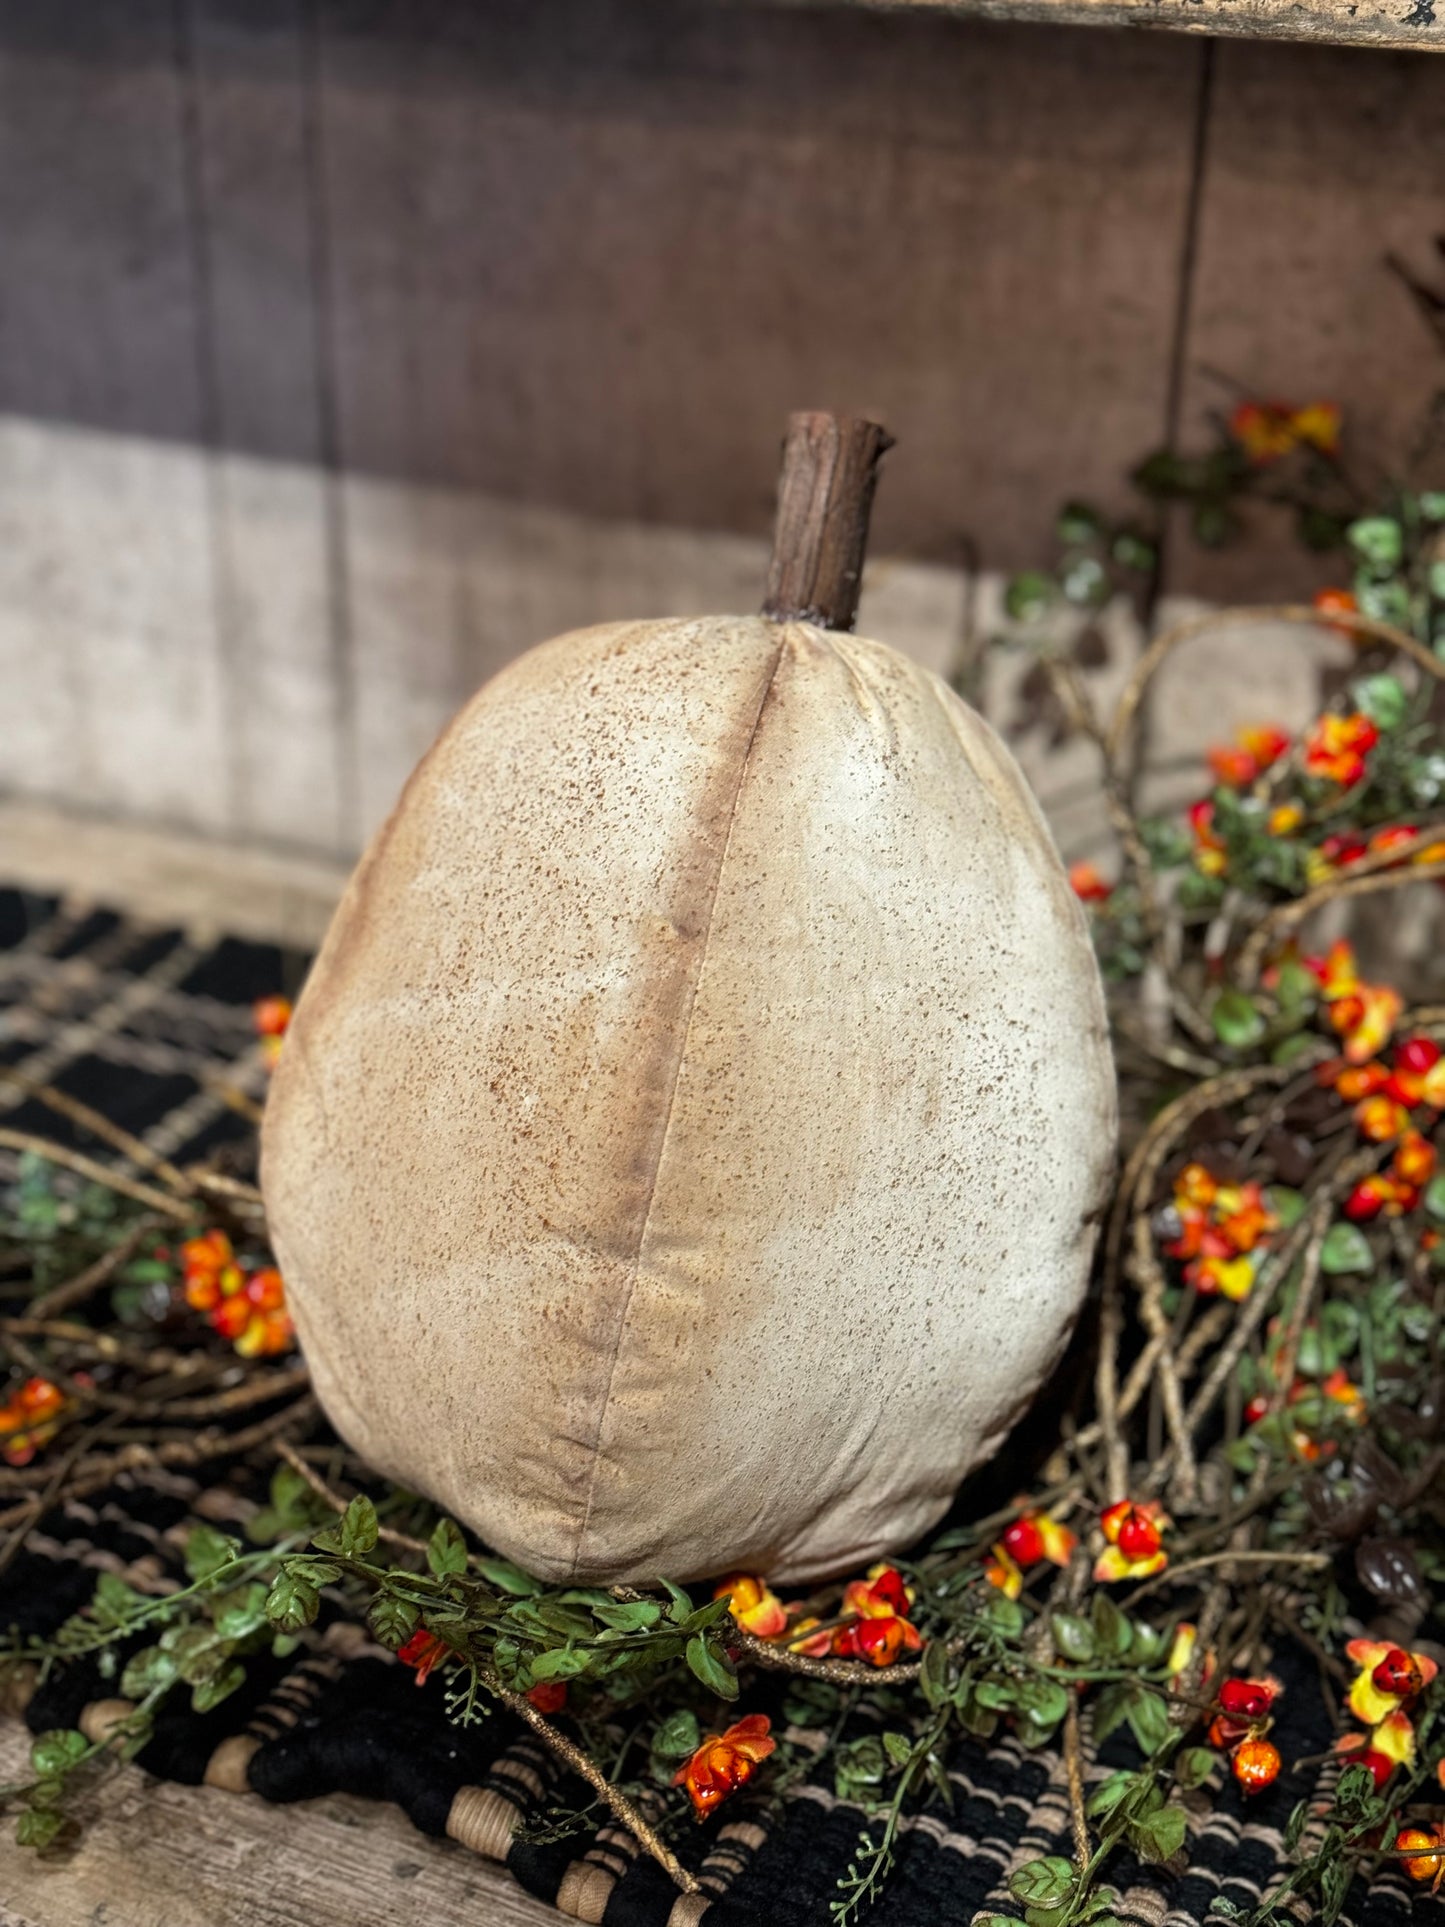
(1262, 1460)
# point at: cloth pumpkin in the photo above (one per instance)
(687, 1149)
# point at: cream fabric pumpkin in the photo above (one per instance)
(686, 1152)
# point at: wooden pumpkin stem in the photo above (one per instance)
(825, 496)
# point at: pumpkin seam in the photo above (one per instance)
(676, 1079)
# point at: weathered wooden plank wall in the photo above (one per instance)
(346, 346)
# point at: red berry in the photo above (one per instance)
(1398, 1673)
(1138, 1536)
(889, 1590)
(1024, 1542)
(1380, 1765)
(1418, 1054)
(1364, 1202)
(1245, 1699)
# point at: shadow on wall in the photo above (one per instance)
(589, 254)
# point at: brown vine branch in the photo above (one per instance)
(94, 1474)
(1363, 879)
(840, 1672)
(587, 1768)
(88, 1168)
(1170, 639)
(98, 1125)
(75, 1291)
(337, 1503)
(1074, 1768)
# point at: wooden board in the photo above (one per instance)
(1318, 165)
(348, 348)
(158, 1855)
(592, 256)
(1369, 23)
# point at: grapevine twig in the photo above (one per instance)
(88, 1168)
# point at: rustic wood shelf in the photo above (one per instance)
(158, 1855)
(1414, 24)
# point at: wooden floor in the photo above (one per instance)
(157, 1855)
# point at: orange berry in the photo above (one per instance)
(1256, 1765)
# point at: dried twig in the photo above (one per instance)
(1363, 879)
(98, 1125)
(1074, 1768)
(1170, 639)
(339, 1504)
(76, 1290)
(85, 1167)
(588, 1769)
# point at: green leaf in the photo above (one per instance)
(1194, 1765)
(358, 1527)
(1111, 1793)
(898, 1747)
(145, 1671)
(37, 1828)
(1045, 1883)
(1432, 504)
(207, 1551)
(1073, 1636)
(292, 1602)
(1078, 524)
(392, 1621)
(629, 1615)
(933, 1672)
(702, 1617)
(218, 1687)
(1029, 595)
(561, 1662)
(1288, 1206)
(1378, 541)
(239, 1614)
(678, 1738)
(506, 1577)
(1296, 1824)
(1290, 1049)
(1237, 1020)
(1112, 1630)
(1295, 987)
(446, 1553)
(1346, 1249)
(1435, 1196)
(1004, 1616)
(997, 1692)
(712, 1667)
(53, 1754)
(1045, 1701)
(316, 1572)
(1133, 551)
(1146, 1643)
(1167, 842)
(1383, 700)
(1111, 1709)
(115, 1602)
(1158, 1835)
(1148, 1718)
(1085, 582)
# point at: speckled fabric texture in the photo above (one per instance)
(686, 1152)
